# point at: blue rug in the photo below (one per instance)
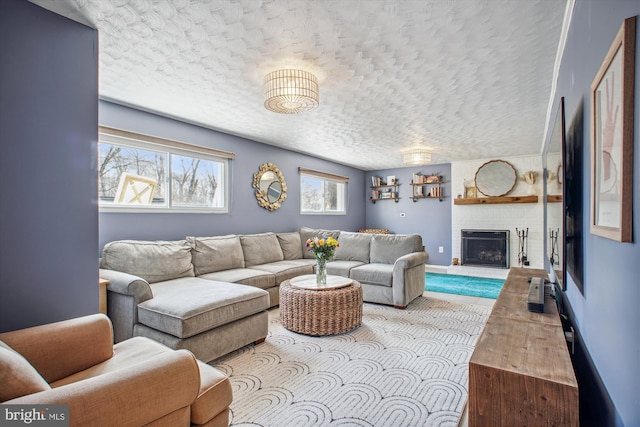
(463, 285)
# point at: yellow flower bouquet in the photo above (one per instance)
(323, 250)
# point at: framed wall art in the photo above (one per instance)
(612, 126)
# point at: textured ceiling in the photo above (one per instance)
(466, 78)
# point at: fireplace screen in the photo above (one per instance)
(485, 248)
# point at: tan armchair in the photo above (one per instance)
(137, 382)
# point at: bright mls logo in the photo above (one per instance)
(34, 415)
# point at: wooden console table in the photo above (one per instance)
(520, 372)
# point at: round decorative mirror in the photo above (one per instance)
(496, 178)
(271, 189)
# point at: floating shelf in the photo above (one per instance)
(415, 198)
(495, 200)
(554, 198)
(386, 198)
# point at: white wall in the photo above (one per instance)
(501, 216)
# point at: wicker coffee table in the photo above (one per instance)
(321, 311)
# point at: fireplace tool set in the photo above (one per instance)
(523, 235)
(555, 256)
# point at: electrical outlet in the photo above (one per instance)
(441, 249)
(402, 214)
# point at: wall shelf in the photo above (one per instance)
(495, 200)
(427, 187)
(395, 199)
(390, 191)
(554, 198)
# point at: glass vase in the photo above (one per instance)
(321, 271)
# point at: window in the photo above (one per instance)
(322, 193)
(139, 172)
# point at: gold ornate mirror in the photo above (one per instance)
(271, 189)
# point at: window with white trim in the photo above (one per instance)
(322, 193)
(143, 173)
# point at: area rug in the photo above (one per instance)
(463, 285)
(399, 368)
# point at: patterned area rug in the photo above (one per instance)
(399, 368)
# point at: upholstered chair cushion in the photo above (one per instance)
(353, 247)
(260, 249)
(211, 254)
(17, 376)
(290, 244)
(154, 261)
(387, 248)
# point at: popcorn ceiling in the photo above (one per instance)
(467, 78)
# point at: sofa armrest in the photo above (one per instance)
(60, 349)
(127, 284)
(409, 261)
(408, 278)
(131, 396)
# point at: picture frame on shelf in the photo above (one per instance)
(470, 192)
(391, 180)
(612, 128)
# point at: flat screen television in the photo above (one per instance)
(573, 157)
(554, 205)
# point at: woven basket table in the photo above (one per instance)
(320, 312)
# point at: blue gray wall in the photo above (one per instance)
(48, 134)
(245, 216)
(607, 315)
(428, 217)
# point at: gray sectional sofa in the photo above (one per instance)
(210, 295)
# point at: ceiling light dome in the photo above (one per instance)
(290, 91)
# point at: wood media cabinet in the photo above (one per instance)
(520, 373)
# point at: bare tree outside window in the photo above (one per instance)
(190, 181)
(321, 195)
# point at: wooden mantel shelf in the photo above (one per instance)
(495, 200)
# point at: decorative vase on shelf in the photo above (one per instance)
(321, 271)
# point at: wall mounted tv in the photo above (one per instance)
(572, 162)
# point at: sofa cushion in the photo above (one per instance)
(342, 268)
(353, 247)
(386, 249)
(376, 274)
(17, 376)
(245, 276)
(310, 233)
(210, 254)
(188, 306)
(260, 249)
(285, 270)
(290, 244)
(135, 350)
(154, 261)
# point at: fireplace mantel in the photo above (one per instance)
(495, 200)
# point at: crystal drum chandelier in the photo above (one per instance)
(290, 91)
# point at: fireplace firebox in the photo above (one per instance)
(485, 248)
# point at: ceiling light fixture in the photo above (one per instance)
(416, 157)
(290, 91)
